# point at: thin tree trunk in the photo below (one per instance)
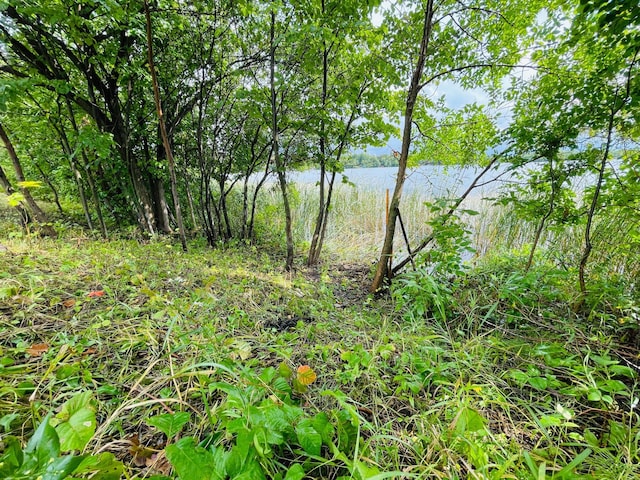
(325, 218)
(45, 178)
(315, 258)
(66, 148)
(314, 250)
(254, 200)
(90, 182)
(25, 218)
(617, 104)
(35, 209)
(383, 269)
(276, 147)
(543, 220)
(95, 196)
(192, 210)
(163, 131)
(588, 246)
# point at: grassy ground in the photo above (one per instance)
(192, 364)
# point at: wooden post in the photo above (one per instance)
(389, 260)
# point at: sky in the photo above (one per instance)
(455, 95)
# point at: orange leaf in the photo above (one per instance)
(96, 293)
(306, 375)
(37, 349)
(69, 303)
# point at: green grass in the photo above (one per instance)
(489, 376)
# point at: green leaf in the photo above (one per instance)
(235, 460)
(284, 370)
(43, 446)
(322, 425)
(594, 395)
(539, 383)
(12, 457)
(295, 472)
(170, 423)
(61, 467)
(102, 467)
(76, 422)
(308, 437)
(470, 421)
(251, 471)
(15, 198)
(6, 421)
(192, 461)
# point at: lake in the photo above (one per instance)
(430, 180)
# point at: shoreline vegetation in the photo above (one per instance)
(180, 300)
(221, 355)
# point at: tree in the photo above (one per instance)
(579, 109)
(163, 129)
(88, 54)
(34, 209)
(473, 44)
(349, 94)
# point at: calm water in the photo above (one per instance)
(432, 180)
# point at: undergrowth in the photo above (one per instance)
(129, 359)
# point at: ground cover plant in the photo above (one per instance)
(134, 359)
(173, 305)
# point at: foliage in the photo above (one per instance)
(42, 458)
(201, 364)
(485, 361)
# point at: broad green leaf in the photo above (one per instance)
(236, 458)
(6, 421)
(43, 446)
(15, 199)
(76, 422)
(170, 423)
(594, 395)
(61, 467)
(308, 437)
(276, 419)
(251, 471)
(322, 425)
(11, 458)
(280, 384)
(285, 370)
(366, 471)
(469, 420)
(539, 383)
(102, 467)
(191, 461)
(295, 472)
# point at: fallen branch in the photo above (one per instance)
(409, 258)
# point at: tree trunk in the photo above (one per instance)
(277, 160)
(545, 217)
(79, 178)
(35, 209)
(316, 244)
(66, 148)
(383, 269)
(163, 131)
(47, 180)
(588, 246)
(25, 218)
